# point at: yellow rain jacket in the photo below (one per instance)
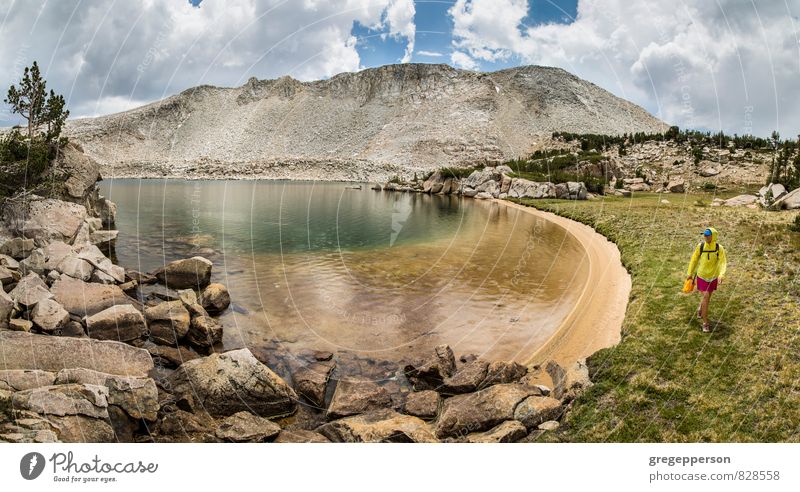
(712, 263)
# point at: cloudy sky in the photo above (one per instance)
(725, 64)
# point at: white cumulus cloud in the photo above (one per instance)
(106, 56)
(727, 65)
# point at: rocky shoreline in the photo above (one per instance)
(96, 353)
(487, 183)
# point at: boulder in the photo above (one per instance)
(570, 382)
(534, 410)
(19, 324)
(423, 404)
(85, 299)
(72, 329)
(191, 273)
(19, 350)
(246, 427)
(171, 357)
(490, 187)
(708, 171)
(562, 191)
(55, 252)
(104, 238)
(104, 268)
(523, 188)
(300, 436)
(30, 290)
(508, 431)
(17, 248)
(378, 426)
(34, 263)
(505, 184)
(740, 200)
(215, 298)
(44, 219)
(482, 195)
(356, 396)
(168, 322)
(311, 382)
(6, 308)
(79, 428)
(107, 211)
(434, 183)
(431, 374)
(469, 192)
(123, 323)
(776, 191)
(140, 278)
(75, 267)
(577, 190)
(49, 316)
(138, 397)
(449, 186)
(204, 332)
(81, 170)
(24, 379)
(7, 276)
(481, 176)
(790, 201)
(223, 384)
(638, 187)
(185, 426)
(64, 399)
(676, 185)
(501, 372)
(467, 379)
(550, 425)
(482, 410)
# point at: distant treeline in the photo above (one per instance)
(785, 153)
(590, 141)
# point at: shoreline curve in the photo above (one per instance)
(595, 321)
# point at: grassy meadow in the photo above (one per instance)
(666, 380)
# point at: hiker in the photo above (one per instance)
(709, 264)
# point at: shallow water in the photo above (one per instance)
(376, 275)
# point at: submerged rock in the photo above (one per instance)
(190, 273)
(215, 298)
(311, 382)
(355, 396)
(431, 374)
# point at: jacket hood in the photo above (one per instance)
(714, 235)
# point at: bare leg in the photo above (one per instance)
(704, 306)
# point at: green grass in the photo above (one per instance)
(668, 381)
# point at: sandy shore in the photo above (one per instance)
(595, 321)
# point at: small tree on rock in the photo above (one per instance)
(30, 101)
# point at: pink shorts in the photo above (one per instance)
(703, 285)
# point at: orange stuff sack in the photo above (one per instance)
(688, 286)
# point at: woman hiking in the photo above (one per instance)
(709, 264)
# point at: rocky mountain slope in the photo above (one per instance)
(395, 119)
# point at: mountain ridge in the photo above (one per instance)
(394, 119)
